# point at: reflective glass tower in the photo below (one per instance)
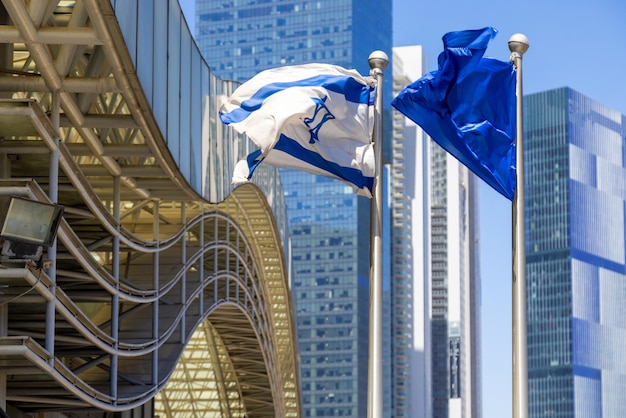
(575, 180)
(329, 224)
(242, 37)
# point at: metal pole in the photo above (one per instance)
(202, 261)
(53, 194)
(156, 260)
(378, 61)
(518, 44)
(183, 256)
(4, 332)
(115, 299)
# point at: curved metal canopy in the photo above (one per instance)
(147, 275)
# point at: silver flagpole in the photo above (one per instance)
(518, 45)
(378, 61)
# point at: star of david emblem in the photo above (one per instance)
(321, 115)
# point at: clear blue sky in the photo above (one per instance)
(575, 43)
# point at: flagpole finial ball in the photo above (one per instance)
(518, 43)
(378, 59)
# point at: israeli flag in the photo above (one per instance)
(316, 118)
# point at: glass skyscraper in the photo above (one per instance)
(575, 180)
(239, 38)
(329, 224)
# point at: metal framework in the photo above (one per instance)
(153, 292)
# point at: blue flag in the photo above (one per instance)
(316, 118)
(468, 107)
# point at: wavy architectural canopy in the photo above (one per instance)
(166, 292)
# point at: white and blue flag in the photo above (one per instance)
(316, 118)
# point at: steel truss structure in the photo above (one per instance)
(154, 299)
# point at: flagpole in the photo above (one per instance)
(518, 45)
(378, 62)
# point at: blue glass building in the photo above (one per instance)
(575, 180)
(240, 38)
(329, 224)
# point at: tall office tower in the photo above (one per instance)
(411, 393)
(239, 38)
(575, 181)
(445, 376)
(329, 224)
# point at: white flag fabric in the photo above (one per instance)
(316, 118)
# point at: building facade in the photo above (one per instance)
(328, 223)
(575, 155)
(442, 240)
(166, 290)
(241, 38)
(409, 228)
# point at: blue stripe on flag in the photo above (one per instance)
(293, 148)
(352, 175)
(253, 162)
(352, 90)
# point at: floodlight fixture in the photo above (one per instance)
(27, 226)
